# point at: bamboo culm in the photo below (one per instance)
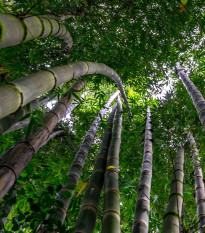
(10, 122)
(77, 166)
(22, 91)
(19, 156)
(195, 94)
(173, 213)
(111, 212)
(199, 184)
(141, 217)
(15, 31)
(89, 208)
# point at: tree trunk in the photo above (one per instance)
(141, 218)
(199, 184)
(111, 213)
(22, 91)
(195, 94)
(89, 207)
(174, 208)
(76, 167)
(16, 31)
(7, 122)
(20, 155)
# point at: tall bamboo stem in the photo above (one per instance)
(77, 166)
(22, 91)
(20, 155)
(195, 94)
(90, 204)
(15, 31)
(199, 184)
(141, 218)
(174, 208)
(111, 213)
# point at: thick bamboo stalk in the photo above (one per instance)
(15, 31)
(173, 213)
(9, 123)
(141, 218)
(77, 165)
(199, 184)
(90, 204)
(195, 94)
(111, 213)
(22, 91)
(20, 155)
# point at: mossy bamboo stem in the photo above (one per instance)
(141, 217)
(173, 213)
(199, 184)
(15, 31)
(22, 91)
(111, 213)
(20, 155)
(195, 94)
(89, 207)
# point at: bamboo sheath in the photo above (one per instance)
(15, 31)
(77, 165)
(141, 216)
(22, 91)
(8, 123)
(199, 184)
(89, 208)
(195, 94)
(20, 155)
(172, 216)
(111, 213)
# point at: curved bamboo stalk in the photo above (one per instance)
(199, 184)
(9, 123)
(76, 167)
(20, 155)
(15, 31)
(22, 91)
(141, 218)
(195, 94)
(172, 216)
(52, 136)
(111, 213)
(89, 207)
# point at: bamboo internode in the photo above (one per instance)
(199, 184)
(15, 31)
(174, 208)
(141, 218)
(195, 94)
(22, 91)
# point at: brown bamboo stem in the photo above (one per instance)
(20, 155)
(199, 184)
(22, 91)
(173, 213)
(195, 94)
(90, 204)
(111, 213)
(141, 217)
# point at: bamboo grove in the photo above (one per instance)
(109, 166)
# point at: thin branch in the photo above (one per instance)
(31, 8)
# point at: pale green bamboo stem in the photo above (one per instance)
(9, 123)
(90, 204)
(111, 212)
(15, 31)
(195, 94)
(141, 218)
(174, 208)
(20, 155)
(22, 91)
(199, 184)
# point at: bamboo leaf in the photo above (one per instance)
(83, 185)
(110, 167)
(183, 4)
